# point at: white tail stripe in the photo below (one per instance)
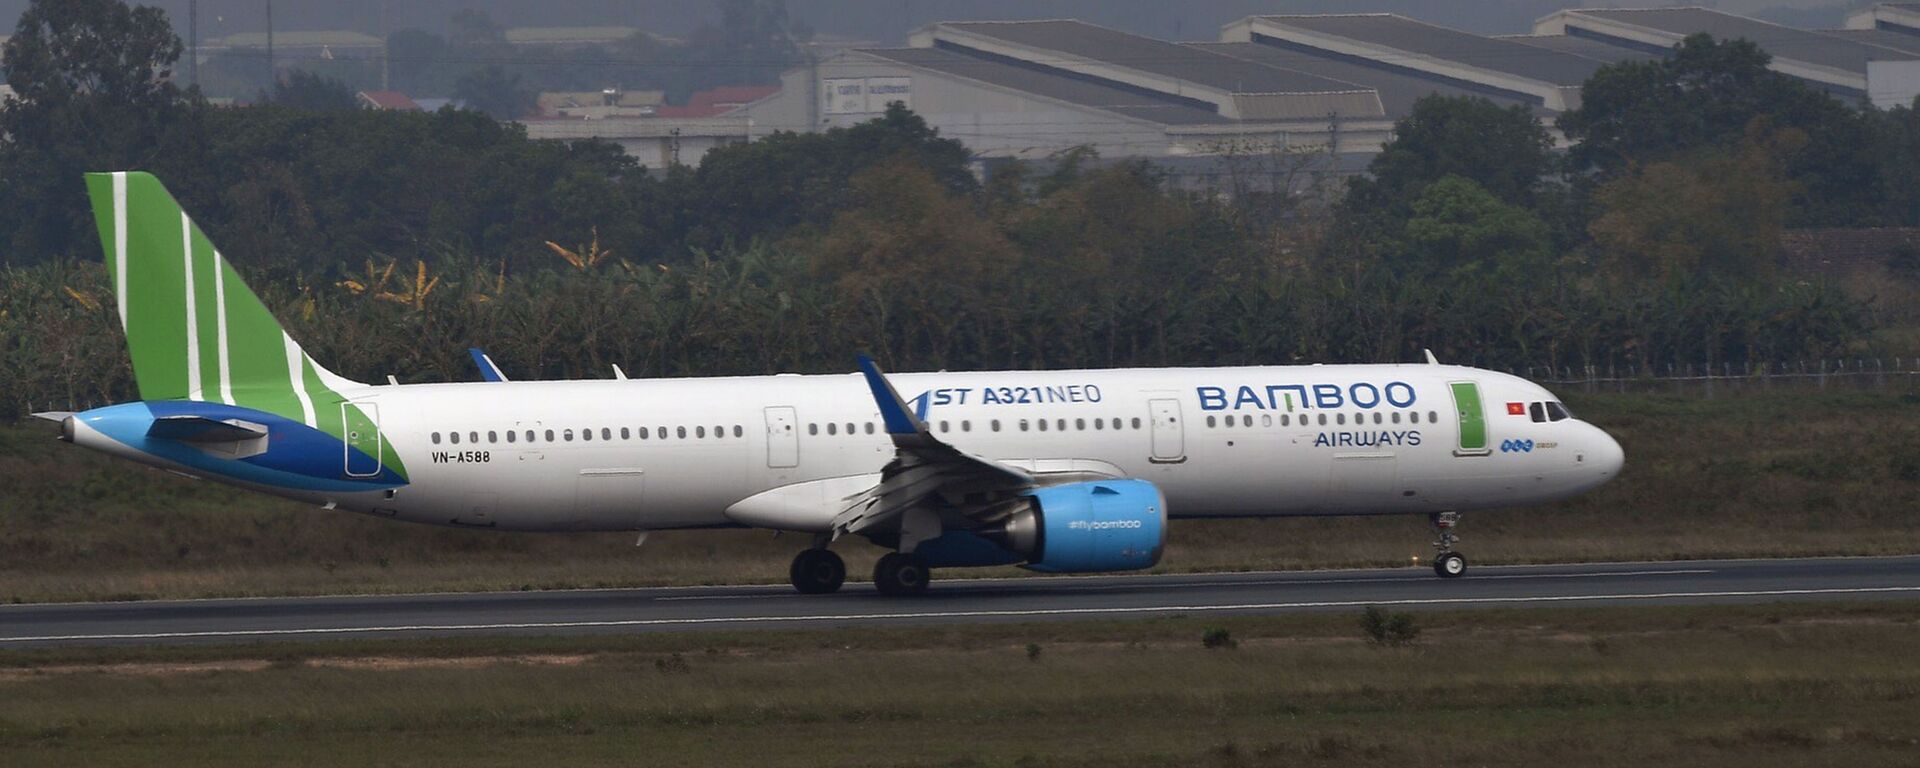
(220, 326)
(193, 312)
(299, 382)
(120, 244)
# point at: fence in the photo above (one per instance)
(1894, 374)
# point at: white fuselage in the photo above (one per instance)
(784, 451)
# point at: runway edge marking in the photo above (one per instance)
(950, 614)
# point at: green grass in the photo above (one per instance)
(1760, 474)
(1733, 686)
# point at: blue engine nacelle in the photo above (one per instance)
(1106, 525)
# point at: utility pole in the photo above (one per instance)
(193, 42)
(386, 49)
(273, 73)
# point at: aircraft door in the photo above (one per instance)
(1169, 439)
(783, 438)
(362, 448)
(1472, 419)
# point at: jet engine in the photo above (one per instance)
(1104, 525)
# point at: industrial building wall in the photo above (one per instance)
(991, 121)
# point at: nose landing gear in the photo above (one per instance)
(1447, 564)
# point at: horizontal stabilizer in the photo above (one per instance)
(200, 429)
(55, 416)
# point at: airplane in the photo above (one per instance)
(1061, 471)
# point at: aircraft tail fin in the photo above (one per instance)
(194, 330)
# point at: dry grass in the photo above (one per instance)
(1733, 686)
(1763, 474)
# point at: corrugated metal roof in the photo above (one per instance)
(1580, 46)
(1128, 102)
(1783, 42)
(1145, 54)
(1885, 38)
(1424, 40)
(1397, 91)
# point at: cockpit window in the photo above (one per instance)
(1557, 412)
(1538, 411)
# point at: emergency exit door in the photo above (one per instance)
(783, 438)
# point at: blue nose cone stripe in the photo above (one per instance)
(297, 456)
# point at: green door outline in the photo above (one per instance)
(1473, 418)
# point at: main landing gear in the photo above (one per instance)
(817, 571)
(1447, 563)
(901, 573)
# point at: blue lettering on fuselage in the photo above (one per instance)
(1289, 397)
(1367, 439)
(1053, 394)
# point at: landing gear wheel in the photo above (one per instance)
(900, 573)
(1447, 563)
(817, 572)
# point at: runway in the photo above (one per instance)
(955, 601)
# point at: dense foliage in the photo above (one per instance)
(390, 242)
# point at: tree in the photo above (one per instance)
(1503, 150)
(94, 90)
(496, 92)
(301, 89)
(1712, 215)
(1461, 230)
(1707, 95)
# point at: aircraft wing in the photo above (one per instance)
(924, 468)
(488, 371)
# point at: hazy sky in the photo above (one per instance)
(887, 21)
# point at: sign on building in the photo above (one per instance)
(864, 95)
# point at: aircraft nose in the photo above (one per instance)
(1606, 456)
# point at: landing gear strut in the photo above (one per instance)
(901, 573)
(1447, 563)
(817, 571)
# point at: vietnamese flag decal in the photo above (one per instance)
(1516, 409)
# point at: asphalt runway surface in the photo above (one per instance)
(955, 600)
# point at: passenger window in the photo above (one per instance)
(436, 438)
(832, 428)
(869, 427)
(1023, 425)
(587, 434)
(1323, 419)
(1413, 417)
(1099, 423)
(454, 436)
(1339, 418)
(567, 435)
(737, 431)
(510, 435)
(1396, 417)
(1060, 424)
(1043, 424)
(473, 437)
(1433, 417)
(700, 431)
(966, 425)
(1266, 420)
(1246, 420)
(995, 425)
(1377, 417)
(1210, 422)
(606, 433)
(1080, 424)
(626, 434)
(1136, 422)
(681, 432)
(492, 436)
(813, 429)
(549, 435)
(944, 427)
(1285, 420)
